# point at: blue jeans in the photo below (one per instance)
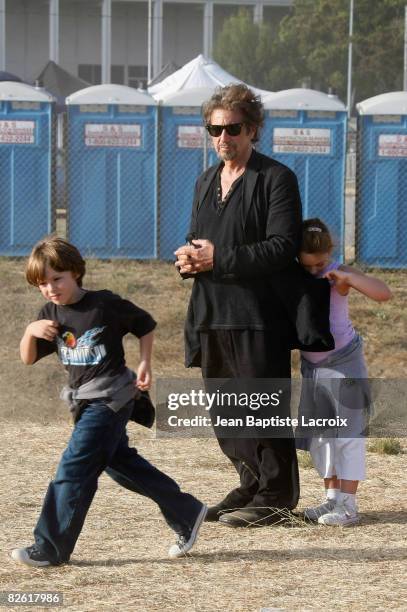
(99, 442)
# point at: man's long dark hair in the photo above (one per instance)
(237, 96)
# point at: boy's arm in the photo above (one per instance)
(144, 368)
(346, 277)
(134, 320)
(44, 329)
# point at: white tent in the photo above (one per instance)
(195, 96)
(199, 72)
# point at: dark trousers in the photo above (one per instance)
(99, 442)
(267, 467)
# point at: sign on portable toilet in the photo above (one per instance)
(112, 172)
(26, 163)
(381, 181)
(185, 152)
(306, 130)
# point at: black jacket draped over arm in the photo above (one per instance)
(271, 219)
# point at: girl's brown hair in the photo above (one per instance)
(59, 255)
(315, 237)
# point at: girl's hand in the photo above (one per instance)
(347, 277)
(44, 329)
(143, 381)
(340, 279)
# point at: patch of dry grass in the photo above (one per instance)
(305, 460)
(120, 561)
(33, 392)
(385, 446)
(121, 557)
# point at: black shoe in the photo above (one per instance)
(224, 507)
(30, 556)
(254, 517)
(214, 512)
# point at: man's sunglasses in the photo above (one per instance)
(233, 129)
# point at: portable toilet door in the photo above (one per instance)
(112, 172)
(381, 181)
(306, 130)
(26, 167)
(185, 152)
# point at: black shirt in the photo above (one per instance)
(245, 303)
(89, 341)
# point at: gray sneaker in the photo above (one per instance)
(30, 556)
(314, 513)
(342, 515)
(185, 541)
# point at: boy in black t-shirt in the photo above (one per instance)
(86, 329)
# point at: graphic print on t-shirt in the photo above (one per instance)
(81, 351)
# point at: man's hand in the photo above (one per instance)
(196, 258)
(45, 329)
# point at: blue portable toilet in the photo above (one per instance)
(26, 167)
(306, 130)
(112, 172)
(185, 152)
(381, 181)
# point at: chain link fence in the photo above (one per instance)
(118, 180)
(381, 191)
(313, 144)
(27, 174)
(185, 151)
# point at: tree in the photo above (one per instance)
(312, 43)
(379, 47)
(315, 38)
(244, 48)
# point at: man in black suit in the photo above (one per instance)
(245, 227)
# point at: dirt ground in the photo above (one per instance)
(120, 561)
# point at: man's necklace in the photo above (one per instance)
(222, 201)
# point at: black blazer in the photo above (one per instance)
(271, 218)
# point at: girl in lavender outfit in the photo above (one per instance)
(340, 461)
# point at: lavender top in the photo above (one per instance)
(340, 324)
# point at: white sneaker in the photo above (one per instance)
(314, 513)
(342, 515)
(30, 556)
(185, 541)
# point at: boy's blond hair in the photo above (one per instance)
(58, 254)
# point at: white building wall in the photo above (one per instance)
(80, 34)
(27, 32)
(27, 35)
(182, 32)
(68, 54)
(80, 39)
(129, 33)
(120, 14)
